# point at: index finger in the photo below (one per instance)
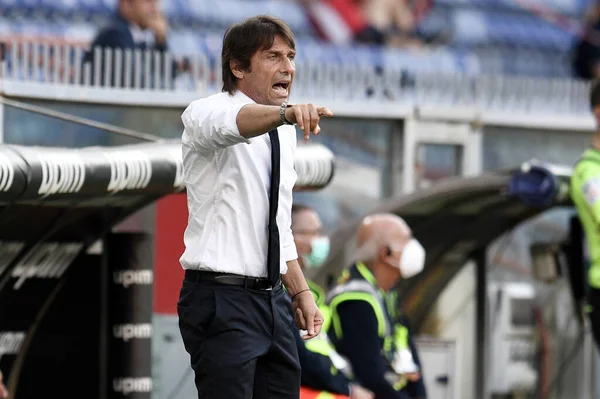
(324, 111)
(300, 321)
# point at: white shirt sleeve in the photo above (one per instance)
(210, 124)
(288, 246)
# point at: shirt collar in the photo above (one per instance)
(241, 98)
(141, 35)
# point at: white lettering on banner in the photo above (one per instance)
(7, 173)
(313, 172)
(61, 173)
(129, 170)
(8, 253)
(10, 342)
(129, 385)
(133, 277)
(49, 260)
(313, 165)
(129, 331)
(175, 155)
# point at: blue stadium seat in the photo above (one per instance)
(290, 12)
(470, 27)
(97, 10)
(83, 31)
(517, 42)
(19, 8)
(59, 8)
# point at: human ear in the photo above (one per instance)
(235, 69)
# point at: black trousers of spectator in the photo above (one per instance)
(240, 340)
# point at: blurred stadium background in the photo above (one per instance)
(423, 91)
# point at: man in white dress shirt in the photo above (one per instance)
(235, 317)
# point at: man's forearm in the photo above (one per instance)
(294, 280)
(254, 119)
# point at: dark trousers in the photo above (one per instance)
(593, 297)
(240, 340)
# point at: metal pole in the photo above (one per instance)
(480, 324)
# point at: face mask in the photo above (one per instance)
(319, 252)
(412, 261)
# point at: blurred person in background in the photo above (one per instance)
(3, 390)
(362, 328)
(379, 22)
(585, 192)
(586, 54)
(341, 22)
(322, 368)
(138, 25)
(238, 147)
(394, 19)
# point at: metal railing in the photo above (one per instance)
(60, 71)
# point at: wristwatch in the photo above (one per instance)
(284, 106)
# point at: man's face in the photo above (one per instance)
(306, 226)
(143, 11)
(269, 79)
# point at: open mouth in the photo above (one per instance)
(281, 87)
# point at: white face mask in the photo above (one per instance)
(412, 261)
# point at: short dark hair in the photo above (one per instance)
(243, 40)
(595, 94)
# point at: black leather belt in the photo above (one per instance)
(255, 283)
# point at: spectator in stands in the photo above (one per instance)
(3, 390)
(341, 22)
(138, 25)
(365, 21)
(322, 368)
(394, 19)
(586, 61)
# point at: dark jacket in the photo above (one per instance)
(117, 35)
(362, 345)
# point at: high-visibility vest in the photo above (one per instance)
(394, 339)
(308, 393)
(400, 330)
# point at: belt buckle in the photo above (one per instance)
(258, 280)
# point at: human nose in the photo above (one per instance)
(288, 66)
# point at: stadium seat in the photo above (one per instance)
(517, 41)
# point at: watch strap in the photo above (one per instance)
(282, 118)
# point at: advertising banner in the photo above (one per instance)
(27, 287)
(131, 277)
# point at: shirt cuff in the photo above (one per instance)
(289, 252)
